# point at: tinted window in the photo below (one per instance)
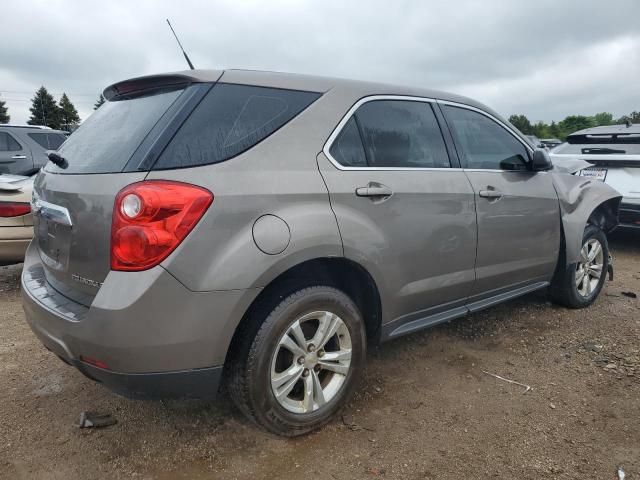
(230, 120)
(347, 149)
(105, 142)
(8, 143)
(401, 134)
(482, 143)
(48, 141)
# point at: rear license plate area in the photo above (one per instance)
(53, 243)
(595, 173)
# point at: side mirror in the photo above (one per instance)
(541, 161)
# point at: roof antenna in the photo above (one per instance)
(186, 57)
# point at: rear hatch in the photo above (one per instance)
(113, 148)
(614, 157)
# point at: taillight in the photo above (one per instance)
(151, 218)
(14, 209)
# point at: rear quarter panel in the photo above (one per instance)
(279, 176)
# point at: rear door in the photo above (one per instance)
(403, 212)
(518, 210)
(14, 156)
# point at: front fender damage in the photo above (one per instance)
(584, 200)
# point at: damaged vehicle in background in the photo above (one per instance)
(613, 154)
(16, 222)
(262, 229)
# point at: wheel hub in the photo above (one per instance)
(311, 362)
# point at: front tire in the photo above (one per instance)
(579, 284)
(303, 364)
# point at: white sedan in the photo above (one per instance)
(16, 222)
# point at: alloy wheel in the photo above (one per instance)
(311, 362)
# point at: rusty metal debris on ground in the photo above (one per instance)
(527, 387)
(95, 420)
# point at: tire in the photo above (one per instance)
(265, 357)
(566, 289)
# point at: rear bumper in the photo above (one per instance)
(199, 383)
(156, 338)
(13, 250)
(629, 215)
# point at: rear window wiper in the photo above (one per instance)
(602, 151)
(58, 159)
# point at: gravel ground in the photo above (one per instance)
(426, 410)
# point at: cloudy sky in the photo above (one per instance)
(544, 58)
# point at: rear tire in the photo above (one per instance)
(302, 364)
(579, 284)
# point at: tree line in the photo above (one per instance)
(61, 115)
(570, 124)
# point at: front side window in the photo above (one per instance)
(8, 143)
(401, 134)
(482, 143)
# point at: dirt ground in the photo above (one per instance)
(426, 410)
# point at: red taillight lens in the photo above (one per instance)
(14, 209)
(151, 218)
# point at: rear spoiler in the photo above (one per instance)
(136, 86)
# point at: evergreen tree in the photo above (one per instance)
(4, 116)
(44, 110)
(68, 114)
(100, 101)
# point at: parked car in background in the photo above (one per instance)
(614, 154)
(550, 143)
(535, 141)
(16, 222)
(23, 147)
(265, 228)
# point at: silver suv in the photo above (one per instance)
(264, 228)
(23, 148)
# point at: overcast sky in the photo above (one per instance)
(546, 59)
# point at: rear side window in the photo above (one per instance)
(230, 120)
(347, 149)
(395, 134)
(482, 143)
(105, 142)
(48, 141)
(8, 143)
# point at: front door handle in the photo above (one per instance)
(490, 193)
(19, 157)
(374, 190)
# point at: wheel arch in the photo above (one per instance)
(339, 272)
(583, 202)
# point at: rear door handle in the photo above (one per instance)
(490, 193)
(19, 157)
(374, 190)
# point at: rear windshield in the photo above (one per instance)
(230, 120)
(105, 142)
(601, 144)
(48, 141)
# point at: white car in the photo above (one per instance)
(613, 153)
(16, 221)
